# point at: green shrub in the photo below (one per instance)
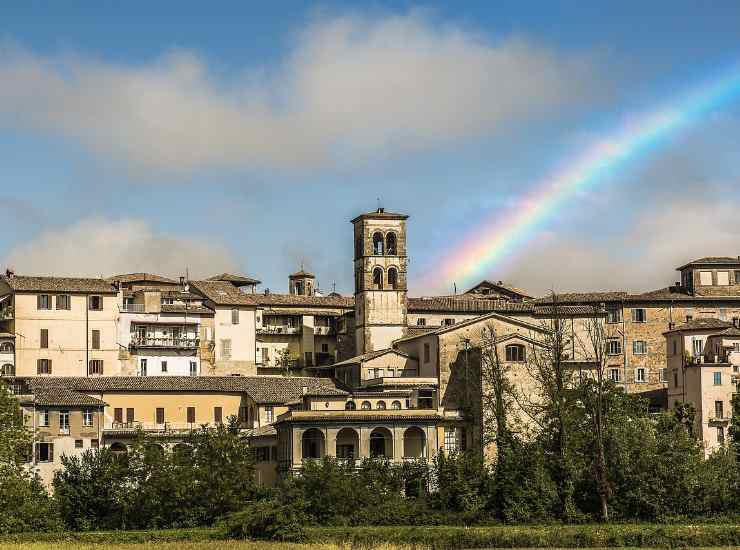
(267, 520)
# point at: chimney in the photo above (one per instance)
(267, 292)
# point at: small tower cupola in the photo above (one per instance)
(302, 283)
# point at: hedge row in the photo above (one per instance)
(117, 537)
(568, 536)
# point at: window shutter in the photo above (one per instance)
(51, 452)
(48, 362)
(37, 451)
(44, 337)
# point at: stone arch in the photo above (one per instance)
(378, 278)
(313, 444)
(381, 443)
(348, 443)
(366, 406)
(414, 443)
(118, 448)
(8, 369)
(396, 405)
(392, 277)
(378, 244)
(380, 405)
(350, 406)
(391, 245)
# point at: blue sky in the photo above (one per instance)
(245, 137)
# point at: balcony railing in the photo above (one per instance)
(323, 330)
(182, 343)
(266, 329)
(132, 308)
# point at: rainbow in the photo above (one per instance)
(495, 239)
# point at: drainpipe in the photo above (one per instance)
(624, 349)
(87, 334)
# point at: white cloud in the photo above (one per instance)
(349, 86)
(96, 247)
(642, 258)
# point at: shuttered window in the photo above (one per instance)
(43, 301)
(95, 339)
(160, 415)
(191, 415)
(95, 366)
(44, 338)
(129, 415)
(43, 366)
(217, 415)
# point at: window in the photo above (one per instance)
(44, 452)
(130, 416)
(723, 278)
(191, 415)
(269, 414)
(639, 347)
(95, 303)
(64, 422)
(265, 355)
(613, 346)
(118, 415)
(698, 346)
(350, 406)
(614, 315)
(392, 277)
(717, 378)
(450, 440)
(142, 367)
(378, 243)
(87, 417)
(63, 301)
(324, 348)
(427, 353)
(664, 375)
(448, 322)
(94, 443)
(366, 406)
(7, 369)
(390, 244)
(718, 409)
(380, 405)
(615, 374)
(44, 418)
(218, 415)
(640, 375)
(515, 353)
(378, 278)
(159, 415)
(396, 405)
(639, 315)
(95, 339)
(43, 301)
(308, 358)
(44, 338)
(721, 435)
(421, 322)
(164, 366)
(737, 277)
(705, 278)
(234, 316)
(226, 349)
(78, 444)
(43, 366)
(391, 373)
(95, 366)
(689, 318)
(193, 368)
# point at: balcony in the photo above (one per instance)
(718, 420)
(154, 428)
(132, 308)
(323, 331)
(266, 329)
(169, 343)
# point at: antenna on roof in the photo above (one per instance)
(333, 286)
(455, 287)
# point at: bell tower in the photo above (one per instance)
(380, 279)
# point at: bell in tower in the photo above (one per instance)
(380, 279)
(302, 283)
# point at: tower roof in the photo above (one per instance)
(302, 274)
(380, 214)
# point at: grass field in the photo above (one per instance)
(227, 545)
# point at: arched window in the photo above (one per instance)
(348, 443)
(380, 406)
(381, 443)
(118, 448)
(6, 347)
(396, 405)
(378, 243)
(350, 406)
(390, 244)
(366, 406)
(7, 370)
(392, 277)
(312, 444)
(378, 278)
(516, 353)
(414, 443)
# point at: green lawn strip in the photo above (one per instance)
(562, 536)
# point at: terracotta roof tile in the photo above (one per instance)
(63, 397)
(223, 293)
(141, 277)
(23, 283)
(707, 323)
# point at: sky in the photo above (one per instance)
(243, 137)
